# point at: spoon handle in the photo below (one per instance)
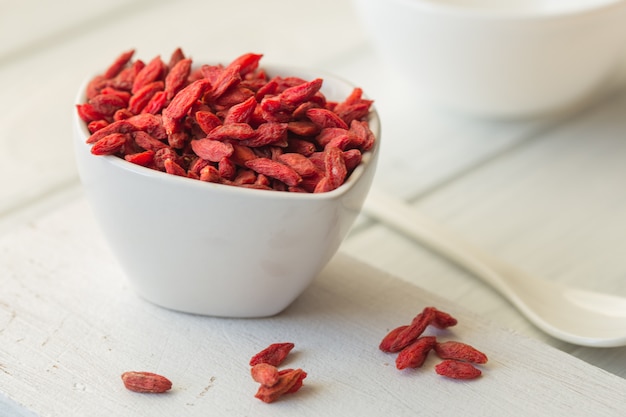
(405, 219)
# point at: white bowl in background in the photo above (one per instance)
(499, 58)
(215, 249)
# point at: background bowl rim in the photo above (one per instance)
(434, 8)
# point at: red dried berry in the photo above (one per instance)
(146, 382)
(265, 374)
(457, 370)
(274, 354)
(414, 330)
(460, 351)
(414, 355)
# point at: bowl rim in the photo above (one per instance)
(368, 157)
(565, 11)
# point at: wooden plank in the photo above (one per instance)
(70, 325)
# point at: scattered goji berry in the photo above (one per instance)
(265, 374)
(443, 320)
(146, 382)
(414, 330)
(390, 338)
(274, 354)
(298, 383)
(414, 355)
(459, 351)
(287, 382)
(457, 369)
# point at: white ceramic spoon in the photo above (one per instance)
(576, 316)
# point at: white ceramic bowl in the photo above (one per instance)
(499, 58)
(214, 249)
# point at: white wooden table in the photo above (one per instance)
(547, 195)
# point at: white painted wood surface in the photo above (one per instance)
(547, 195)
(71, 325)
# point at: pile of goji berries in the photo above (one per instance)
(274, 383)
(413, 347)
(229, 124)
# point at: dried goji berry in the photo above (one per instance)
(390, 338)
(270, 88)
(227, 168)
(414, 330)
(175, 57)
(329, 134)
(265, 374)
(149, 123)
(460, 351)
(88, 113)
(274, 354)
(286, 383)
(457, 369)
(141, 97)
(150, 73)
(171, 167)
(325, 118)
(298, 383)
(300, 163)
(96, 125)
(182, 103)
(109, 145)
(303, 128)
(246, 63)
(245, 176)
(124, 95)
(226, 78)
(176, 78)
(156, 103)
(209, 174)
(443, 320)
(146, 382)
(107, 104)
(236, 131)
(120, 62)
(301, 146)
(275, 170)
(334, 167)
(296, 95)
(233, 96)
(144, 158)
(241, 154)
(267, 134)
(241, 113)
(414, 355)
(211, 150)
(125, 79)
(352, 158)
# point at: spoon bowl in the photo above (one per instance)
(573, 315)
